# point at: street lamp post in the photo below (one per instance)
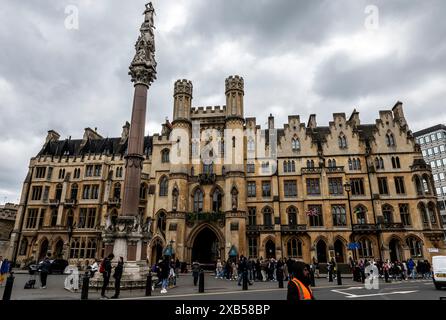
(348, 188)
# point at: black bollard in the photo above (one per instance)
(8, 287)
(85, 286)
(201, 282)
(245, 280)
(280, 279)
(338, 275)
(313, 282)
(149, 285)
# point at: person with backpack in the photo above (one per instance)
(106, 269)
(118, 275)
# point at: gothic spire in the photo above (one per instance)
(143, 66)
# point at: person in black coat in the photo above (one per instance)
(44, 270)
(118, 275)
(107, 268)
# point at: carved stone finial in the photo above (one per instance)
(143, 66)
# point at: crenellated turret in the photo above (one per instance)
(234, 89)
(182, 99)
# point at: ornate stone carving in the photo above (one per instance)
(143, 66)
(134, 160)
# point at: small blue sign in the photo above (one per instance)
(353, 245)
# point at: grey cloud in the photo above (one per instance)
(53, 78)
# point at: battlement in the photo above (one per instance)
(209, 110)
(183, 87)
(234, 83)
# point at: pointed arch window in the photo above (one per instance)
(295, 143)
(387, 214)
(164, 186)
(390, 139)
(342, 140)
(292, 216)
(58, 191)
(161, 222)
(217, 202)
(165, 156)
(117, 191)
(361, 215)
(396, 163)
(294, 248)
(74, 191)
(198, 200)
(143, 191)
(267, 216)
(415, 247)
(365, 248)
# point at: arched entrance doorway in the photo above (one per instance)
(206, 248)
(157, 252)
(321, 251)
(270, 249)
(43, 249)
(58, 249)
(395, 250)
(339, 251)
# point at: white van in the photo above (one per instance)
(439, 271)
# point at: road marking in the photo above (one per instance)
(202, 294)
(380, 294)
(349, 295)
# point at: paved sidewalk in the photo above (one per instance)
(55, 288)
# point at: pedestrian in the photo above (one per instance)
(164, 273)
(258, 270)
(316, 267)
(195, 271)
(177, 267)
(218, 270)
(299, 285)
(411, 268)
(5, 267)
(117, 275)
(428, 269)
(44, 270)
(94, 268)
(106, 269)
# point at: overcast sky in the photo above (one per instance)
(297, 57)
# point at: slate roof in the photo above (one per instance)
(91, 146)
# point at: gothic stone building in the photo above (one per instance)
(346, 189)
(8, 213)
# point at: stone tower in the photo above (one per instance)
(235, 186)
(180, 166)
(182, 100)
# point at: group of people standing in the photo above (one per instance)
(166, 270)
(257, 269)
(397, 270)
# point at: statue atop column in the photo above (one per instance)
(143, 66)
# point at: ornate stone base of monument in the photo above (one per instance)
(127, 238)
